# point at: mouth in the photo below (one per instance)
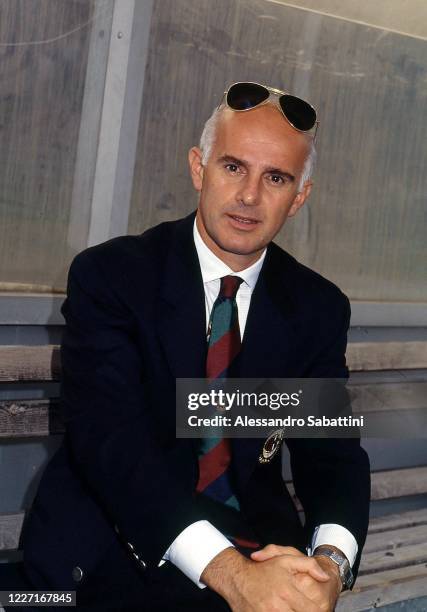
(244, 221)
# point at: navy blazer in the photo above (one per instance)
(135, 317)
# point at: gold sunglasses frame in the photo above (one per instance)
(276, 92)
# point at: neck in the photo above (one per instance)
(238, 262)
(235, 261)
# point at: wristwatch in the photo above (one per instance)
(346, 574)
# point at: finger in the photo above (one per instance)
(262, 555)
(308, 565)
(274, 550)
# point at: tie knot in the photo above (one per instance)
(229, 286)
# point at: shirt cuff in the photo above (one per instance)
(335, 535)
(194, 548)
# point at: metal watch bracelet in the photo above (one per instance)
(346, 574)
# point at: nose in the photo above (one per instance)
(248, 193)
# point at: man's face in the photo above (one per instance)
(249, 185)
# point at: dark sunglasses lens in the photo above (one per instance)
(300, 113)
(242, 96)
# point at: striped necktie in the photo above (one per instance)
(224, 344)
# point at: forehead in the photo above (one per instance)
(262, 136)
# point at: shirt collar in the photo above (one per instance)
(213, 268)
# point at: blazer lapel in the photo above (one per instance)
(268, 343)
(270, 331)
(181, 308)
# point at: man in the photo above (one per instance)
(120, 513)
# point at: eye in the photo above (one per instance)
(277, 179)
(233, 168)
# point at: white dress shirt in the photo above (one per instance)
(199, 543)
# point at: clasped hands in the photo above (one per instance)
(275, 579)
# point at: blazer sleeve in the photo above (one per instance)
(143, 485)
(332, 476)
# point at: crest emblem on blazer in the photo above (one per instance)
(271, 446)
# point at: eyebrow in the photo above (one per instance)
(230, 159)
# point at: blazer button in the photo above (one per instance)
(77, 574)
(140, 561)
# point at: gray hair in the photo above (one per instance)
(207, 141)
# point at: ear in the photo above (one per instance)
(300, 198)
(196, 167)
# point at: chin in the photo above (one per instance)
(240, 247)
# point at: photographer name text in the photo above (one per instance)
(288, 421)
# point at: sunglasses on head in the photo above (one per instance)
(299, 113)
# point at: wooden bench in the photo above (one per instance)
(389, 375)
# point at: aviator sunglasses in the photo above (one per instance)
(244, 96)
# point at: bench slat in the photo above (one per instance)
(18, 416)
(396, 521)
(385, 588)
(42, 363)
(10, 530)
(390, 540)
(388, 483)
(30, 418)
(29, 363)
(377, 561)
(385, 397)
(386, 355)
(399, 483)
